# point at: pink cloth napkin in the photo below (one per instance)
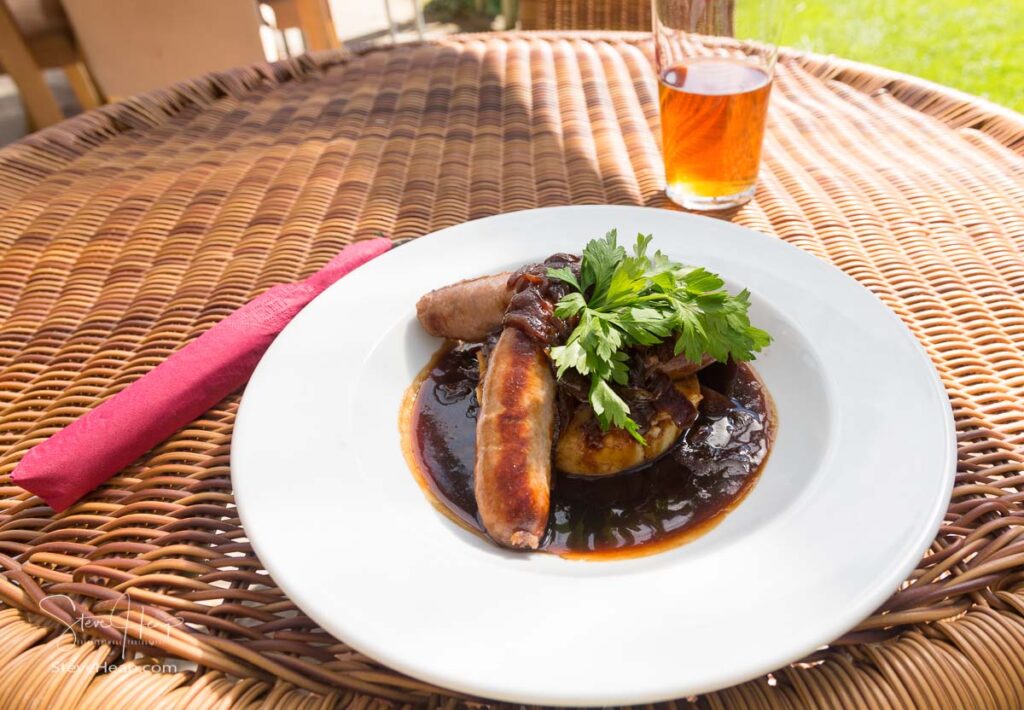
(94, 447)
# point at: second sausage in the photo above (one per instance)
(512, 475)
(467, 310)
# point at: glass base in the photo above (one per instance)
(702, 203)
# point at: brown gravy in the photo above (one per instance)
(653, 507)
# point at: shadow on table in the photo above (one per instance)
(661, 200)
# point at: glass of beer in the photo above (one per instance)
(713, 92)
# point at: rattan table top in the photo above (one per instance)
(128, 231)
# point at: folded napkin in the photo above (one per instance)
(94, 447)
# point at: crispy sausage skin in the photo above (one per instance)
(512, 475)
(467, 310)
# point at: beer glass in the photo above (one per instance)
(713, 92)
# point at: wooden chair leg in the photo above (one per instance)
(82, 84)
(510, 11)
(316, 24)
(40, 103)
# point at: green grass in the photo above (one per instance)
(976, 46)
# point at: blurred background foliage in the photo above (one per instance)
(976, 46)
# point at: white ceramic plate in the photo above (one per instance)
(850, 498)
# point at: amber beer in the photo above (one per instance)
(712, 121)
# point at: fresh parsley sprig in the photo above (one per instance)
(624, 300)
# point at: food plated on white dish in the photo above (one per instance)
(595, 405)
(859, 462)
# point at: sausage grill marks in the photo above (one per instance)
(514, 434)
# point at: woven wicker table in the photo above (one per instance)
(128, 231)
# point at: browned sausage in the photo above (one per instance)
(467, 310)
(513, 442)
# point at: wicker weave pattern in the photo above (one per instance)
(632, 15)
(128, 231)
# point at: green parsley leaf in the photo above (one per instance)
(600, 259)
(610, 409)
(565, 274)
(571, 305)
(624, 300)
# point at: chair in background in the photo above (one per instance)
(585, 15)
(134, 46)
(417, 9)
(312, 17)
(35, 35)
